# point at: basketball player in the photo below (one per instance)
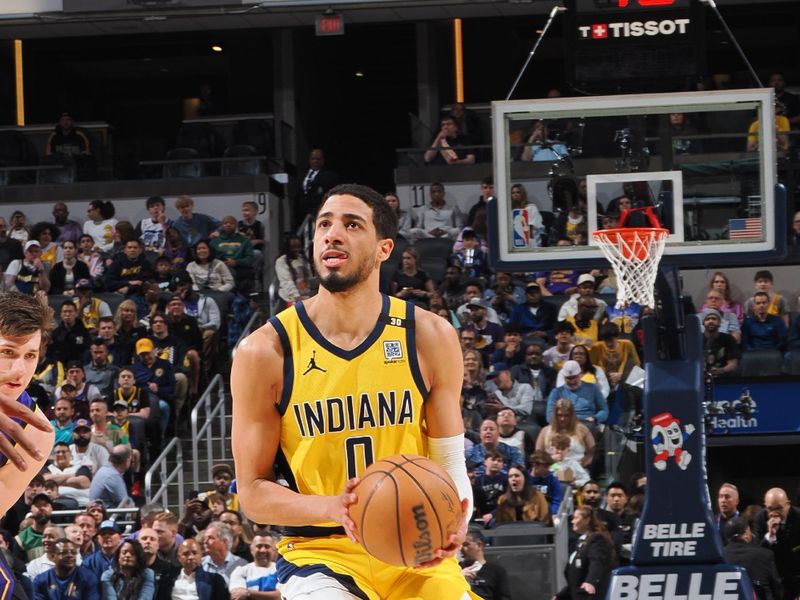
(26, 436)
(333, 384)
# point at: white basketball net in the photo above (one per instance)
(634, 254)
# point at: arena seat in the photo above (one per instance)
(256, 133)
(187, 169)
(436, 247)
(757, 363)
(246, 166)
(66, 174)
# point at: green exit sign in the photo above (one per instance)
(330, 25)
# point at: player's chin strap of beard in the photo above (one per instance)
(449, 454)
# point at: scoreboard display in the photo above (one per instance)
(617, 44)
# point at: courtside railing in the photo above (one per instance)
(213, 433)
(166, 477)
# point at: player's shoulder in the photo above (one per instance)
(262, 344)
(431, 324)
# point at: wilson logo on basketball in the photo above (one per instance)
(423, 547)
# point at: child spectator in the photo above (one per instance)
(567, 470)
(544, 480)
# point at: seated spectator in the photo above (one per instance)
(47, 234)
(504, 294)
(207, 271)
(204, 309)
(66, 139)
(217, 545)
(587, 329)
(16, 514)
(107, 331)
(108, 484)
(172, 349)
(521, 502)
(108, 537)
(92, 259)
(87, 526)
(62, 423)
(540, 377)
(152, 230)
(490, 440)
(177, 251)
(196, 515)
(535, 316)
(19, 227)
(129, 576)
(82, 582)
(235, 250)
(84, 450)
(555, 283)
(222, 475)
(565, 467)
(504, 392)
(519, 200)
(10, 249)
(557, 355)
(165, 524)
(474, 289)
(109, 434)
(191, 581)
(73, 480)
(157, 375)
(729, 323)
(719, 281)
(513, 352)
(127, 326)
(28, 275)
(403, 216)
(154, 300)
(776, 304)
(71, 338)
(489, 486)
(449, 147)
(721, 351)
(590, 373)
(101, 372)
(489, 335)
(148, 538)
(253, 229)
(581, 444)
(588, 400)
(410, 282)
(437, 220)
(52, 533)
(193, 226)
(235, 521)
(294, 273)
(128, 273)
(761, 330)
(512, 435)
(782, 128)
(544, 480)
(163, 273)
(29, 539)
(100, 224)
(759, 562)
(586, 289)
(258, 576)
(473, 392)
(90, 308)
(83, 393)
(185, 328)
(472, 259)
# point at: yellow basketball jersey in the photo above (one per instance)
(341, 410)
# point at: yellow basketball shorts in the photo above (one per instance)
(366, 577)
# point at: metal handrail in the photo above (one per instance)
(111, 512)
(218, 410)
(160, 466)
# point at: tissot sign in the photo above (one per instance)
(623, 40)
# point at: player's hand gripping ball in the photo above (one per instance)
(407, 508)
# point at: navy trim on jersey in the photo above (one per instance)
(413, 358)
(285, 470)
(285, 570)
(288, 365)
(311, 531)
(315, 334)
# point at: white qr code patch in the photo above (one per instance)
(392, 350)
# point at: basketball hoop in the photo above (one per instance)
(634, 254)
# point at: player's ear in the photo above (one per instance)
(385, 248)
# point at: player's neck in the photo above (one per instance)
(346, 318)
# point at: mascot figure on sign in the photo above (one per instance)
(668, 438)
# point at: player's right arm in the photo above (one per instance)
(256, 385)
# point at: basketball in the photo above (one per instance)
(407, 508)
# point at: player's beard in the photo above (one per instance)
(336, 282)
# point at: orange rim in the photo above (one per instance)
(637, 240)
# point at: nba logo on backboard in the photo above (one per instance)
(521, 230)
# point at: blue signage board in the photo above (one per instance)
(755, 407)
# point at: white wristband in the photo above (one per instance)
(449, 454)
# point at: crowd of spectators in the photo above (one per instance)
(144, 313)
(208, 551)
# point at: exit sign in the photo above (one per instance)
(330, 25)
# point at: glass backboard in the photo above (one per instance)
(565, 167)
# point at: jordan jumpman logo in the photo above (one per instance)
(312, 364)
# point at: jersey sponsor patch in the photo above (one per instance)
(392, 350)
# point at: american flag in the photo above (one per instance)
(745, 229)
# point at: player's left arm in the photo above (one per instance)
(442, 368)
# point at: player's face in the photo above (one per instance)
(18, 359)
(346, 246)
